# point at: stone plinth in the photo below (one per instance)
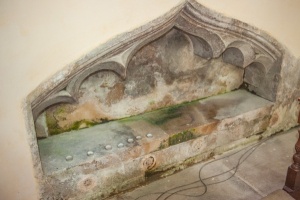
(172, 137)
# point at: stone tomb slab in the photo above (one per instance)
(126, 139)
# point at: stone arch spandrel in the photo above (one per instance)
(192, 18)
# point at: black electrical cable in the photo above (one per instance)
(201, 180)
(240, 161)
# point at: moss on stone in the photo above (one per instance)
(60, 110)
(55, 129)
(151, 103)
(130, 119)
(156, 117)
(163, 145)
(181, 137)
(52, 124)
(163, 118)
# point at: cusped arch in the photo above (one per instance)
(201, 47)
(75, 83)
(262, 64)
(207, 34)
(60, 97)
(207, 44)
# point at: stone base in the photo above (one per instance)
(163, 142)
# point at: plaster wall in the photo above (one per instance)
(38, 38)
(279, 19)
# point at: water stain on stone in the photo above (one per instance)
(115, 94)
(274, 119)
(207, 128)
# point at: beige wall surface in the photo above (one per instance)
(38, 38)
(280, 19)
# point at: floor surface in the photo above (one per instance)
(251, 173)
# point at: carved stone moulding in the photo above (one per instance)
(211, 36)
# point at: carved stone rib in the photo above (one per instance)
(239, 53)
(201, 47)
(147, 32)
(61, 97)
(262, 63)
(75, 83)
(217, 22)
(201, 37)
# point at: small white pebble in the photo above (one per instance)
(108, 147)
(89, 153)
(130, 140)
(120, 145)
(69, 158)
(138, 137)
(149, 135)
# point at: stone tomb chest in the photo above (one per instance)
(150, 102)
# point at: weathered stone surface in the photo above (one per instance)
(41, 126)
(232, 175)
(286, 109)
(60, 97)
(213, 122)
(54, 149)
(190, 76)
(166, 72)
(262, 77)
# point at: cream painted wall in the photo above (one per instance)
(280, 19)
(38, 38)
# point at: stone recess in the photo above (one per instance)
(166, 72)
(171, 60)
(201, 35)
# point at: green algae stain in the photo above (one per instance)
(181, 137)
(54, 128)
(151, 103)
(162, 116)
(130, 119)
(161, 119)
(81, 124)
(164, 144)
(157, 117)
